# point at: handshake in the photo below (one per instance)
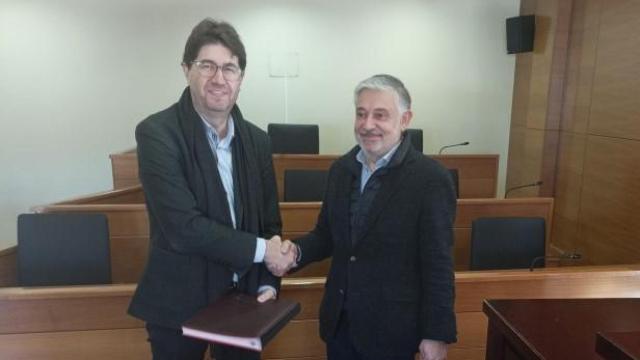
(280, 256)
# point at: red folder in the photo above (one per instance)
(240, 320)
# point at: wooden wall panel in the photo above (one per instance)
(596, 181)
(581, 66)
(611, 194)
(610, 81)
(542, 60)
(538, 93)
(528, 7)
(571, 153)
(565, 231)
(525, 160)
(563, 13)
(520, 100)
(615, 108)
(549, 163)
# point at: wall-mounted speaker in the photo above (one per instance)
(520, 33)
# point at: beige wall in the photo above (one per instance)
(77, 76)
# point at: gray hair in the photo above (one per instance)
(384, 82)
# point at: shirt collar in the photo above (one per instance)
(212, 134)
(382, 162)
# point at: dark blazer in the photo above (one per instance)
(398, 277)
(194, 249)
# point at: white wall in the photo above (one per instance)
(77, 76)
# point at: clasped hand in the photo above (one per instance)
(280, 256)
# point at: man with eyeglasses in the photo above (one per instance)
(211, 195)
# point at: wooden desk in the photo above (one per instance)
(618, 345)
(477, 173)
(555, 328)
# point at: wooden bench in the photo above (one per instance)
(80, 322)
(129, 227)
(477, 174)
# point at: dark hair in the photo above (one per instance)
(210, 31)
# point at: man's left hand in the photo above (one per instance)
(433, 350)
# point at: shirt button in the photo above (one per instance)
(341, 291)
(352, 259)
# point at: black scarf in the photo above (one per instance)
(210, 195)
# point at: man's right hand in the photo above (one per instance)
(280, 256)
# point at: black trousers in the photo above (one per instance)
(341, 347)
(169, 344)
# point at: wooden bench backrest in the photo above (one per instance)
(477, 174)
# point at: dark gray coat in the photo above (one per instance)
(398, 276)
(194, 249)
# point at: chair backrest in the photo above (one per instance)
(294, 138)
(456, 182)
(304, 184)
(415, 135)
(63, 249)
(506, 243)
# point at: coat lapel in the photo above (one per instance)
(391, 182)
(341, 219)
